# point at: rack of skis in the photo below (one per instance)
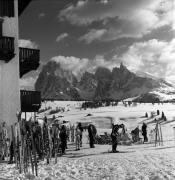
(31, 143)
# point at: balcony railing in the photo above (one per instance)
(29, 60)
(30, 101)
(6, 48)
(7, 8)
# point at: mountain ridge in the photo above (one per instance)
(56, 83)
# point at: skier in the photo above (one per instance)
(72, 133)
(144, 132)
(81, 134)
(135, 134)
(115, 136)
(163, 115)
(146, 115)
(92, 133)
(63, 138)
(78, 134)
(158, 112)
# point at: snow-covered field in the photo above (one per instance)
(143, 161)
(132, 116)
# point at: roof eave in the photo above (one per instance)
(22, 4)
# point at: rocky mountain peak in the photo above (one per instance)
(103, 73)
(54, 82)
(122, 67)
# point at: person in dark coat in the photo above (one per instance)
(37, 137)
(158, 112)
(135, 134)
(144, 132)
(163, 115)
(92, 133)
(146, 115)
(115, 134)
(63, 138)
(11, 153)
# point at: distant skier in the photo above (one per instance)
(158, 112)
(78, 134)
(163, 115)
(92, 133)
(146, 115)
(144, 132)
(135, 134)
(81, 133)
(72, 133)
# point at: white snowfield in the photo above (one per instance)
(164, 93)
(139, 162)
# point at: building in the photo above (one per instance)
(14, 61)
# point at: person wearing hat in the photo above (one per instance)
(115, 135)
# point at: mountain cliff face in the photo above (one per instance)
(57, 83)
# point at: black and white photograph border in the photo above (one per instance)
(87, 89)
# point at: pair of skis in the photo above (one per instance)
(24, 147)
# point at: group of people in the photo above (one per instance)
(163, 117)
(47, 140)
(56, 137)
(136, 133)
(50, 139)
(92, 131)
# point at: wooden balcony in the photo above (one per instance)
(7, 8)
(30, 101)
(6, 48)
(29, 60)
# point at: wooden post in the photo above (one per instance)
(161, 134)
(13, 144)
(156, 135)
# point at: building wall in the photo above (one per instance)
(9, 75)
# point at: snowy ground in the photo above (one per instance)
(143, 161)
(132, 116)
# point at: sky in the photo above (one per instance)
(84, 34)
